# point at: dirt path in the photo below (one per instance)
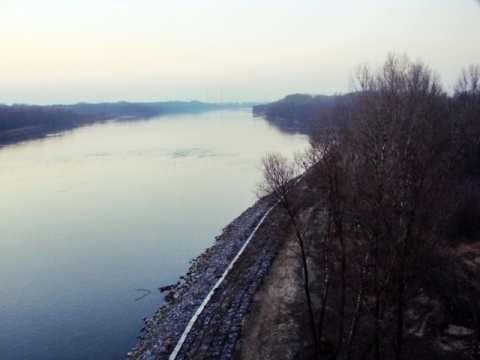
(279, 303)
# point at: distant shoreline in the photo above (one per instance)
(27, 122)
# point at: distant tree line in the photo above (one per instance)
(295, 113)
(21, 122)
(145, 110)
(395, 168)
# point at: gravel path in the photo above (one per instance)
(217, 328)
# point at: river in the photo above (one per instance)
(90, 217)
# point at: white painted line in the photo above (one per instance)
(180, 342)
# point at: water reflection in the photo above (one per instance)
(88, 217)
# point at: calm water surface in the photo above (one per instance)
(89, 217)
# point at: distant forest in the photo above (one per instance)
(23, 122)
(296, 113)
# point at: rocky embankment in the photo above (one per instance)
(216, 330)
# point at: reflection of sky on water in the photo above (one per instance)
(88, 217)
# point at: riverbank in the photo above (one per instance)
(258, 312)
(164, 329)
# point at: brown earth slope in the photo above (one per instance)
(437, 324)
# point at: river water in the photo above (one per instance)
(92, 216)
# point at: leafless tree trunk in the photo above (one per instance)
(326, 277)
(356, 315)
(280, 179)
(329, 170)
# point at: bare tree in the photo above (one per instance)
(330, 176)
(469, 81)
(399, 137)
(333, 171)
(281, 180)
(465, 120)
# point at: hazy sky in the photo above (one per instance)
(68, 51)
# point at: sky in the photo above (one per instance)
(70, 51)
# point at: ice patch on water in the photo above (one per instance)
(192, 152)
